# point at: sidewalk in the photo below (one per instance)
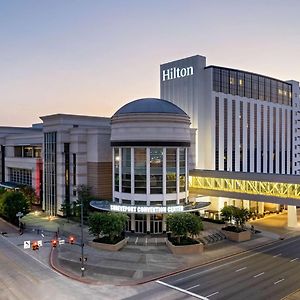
(134, 264)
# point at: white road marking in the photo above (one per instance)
(277, 255)
(241, 269)
(146, 242)
(212, 294)
(181, 290)
(229, 262)
(136, 240)
(259, 274)
(294, 259)
(279, 281)
(192, 287)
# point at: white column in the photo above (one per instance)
(132, 222)
(251, 128)
(292, 216)
(246, 204)
(221, 133)
(132, 174)
(265, 138)
(271, 135)
(148, 175)
(177, 174)
(261, 207)
(164, 175)
(283, 145)
(277, 146)
(113, 174)
(148, 223)
(229, 136)
(120, 174)
(288, 142)
(258, 136)
(237, 136)
(164, 225)
(245, 142)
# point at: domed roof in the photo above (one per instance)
(150, 106)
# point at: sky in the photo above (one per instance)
(91, 57)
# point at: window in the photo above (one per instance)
(126, 170)
(140, 171)
(116, 168)
(171, 169)
(182, 174)
(156, 170)
(217, 118)
(20, 176)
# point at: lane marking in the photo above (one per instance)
(294, 259)
(215, 293)
(277, 255)
(259, 274)
(241, 269)
(181, 290)
(192, 287)
(229, 262)
(279, 281)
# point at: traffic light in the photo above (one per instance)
(54, 243)
(35, 246)
(71, 239)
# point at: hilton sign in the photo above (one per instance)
(174, 73)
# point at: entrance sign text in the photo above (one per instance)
(146, 209)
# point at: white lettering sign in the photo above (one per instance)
(174, 73)
(146, 209)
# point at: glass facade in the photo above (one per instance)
(165, 167)
(126, 170)
(50, 172)
(28, 151)
(140, 175)
(156, 170)
(251, 85)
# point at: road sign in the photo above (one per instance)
(61, 242)
(19, 214)
(40, 243)
(26, 244)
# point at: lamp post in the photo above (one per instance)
(82, 244)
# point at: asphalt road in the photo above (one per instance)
(26, 275)
(271, 272)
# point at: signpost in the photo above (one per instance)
(40, 243)
(26, 244)
(61, 242)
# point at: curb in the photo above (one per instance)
(59, 269)
(11, 225)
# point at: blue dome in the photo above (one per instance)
(150, 106)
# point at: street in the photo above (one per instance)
(271, 272)
(25, 274)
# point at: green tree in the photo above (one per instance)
(29, 194)
(12, 202)
(84, 196)
(241, 216)
(184, 224)
(227, 213)
(109, 224)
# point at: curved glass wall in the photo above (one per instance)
(117, 168)
(156, 170)
(126, 170)
(151, 162)
(171, 177)
(140, 175)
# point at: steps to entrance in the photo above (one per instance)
(146, 240)
(211, 237)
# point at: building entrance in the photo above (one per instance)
(140, 226)
(156, 226)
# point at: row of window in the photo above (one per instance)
(156, 170)
(20, 176)
(271, 144)
(250, 85)
(28, 151)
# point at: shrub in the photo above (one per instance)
(184, 224)
(109, 224)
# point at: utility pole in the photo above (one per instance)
(82, 244)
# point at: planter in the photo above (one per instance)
(108, 247)
(237, 236)
(186, 249)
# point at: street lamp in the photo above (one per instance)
(81, 243)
